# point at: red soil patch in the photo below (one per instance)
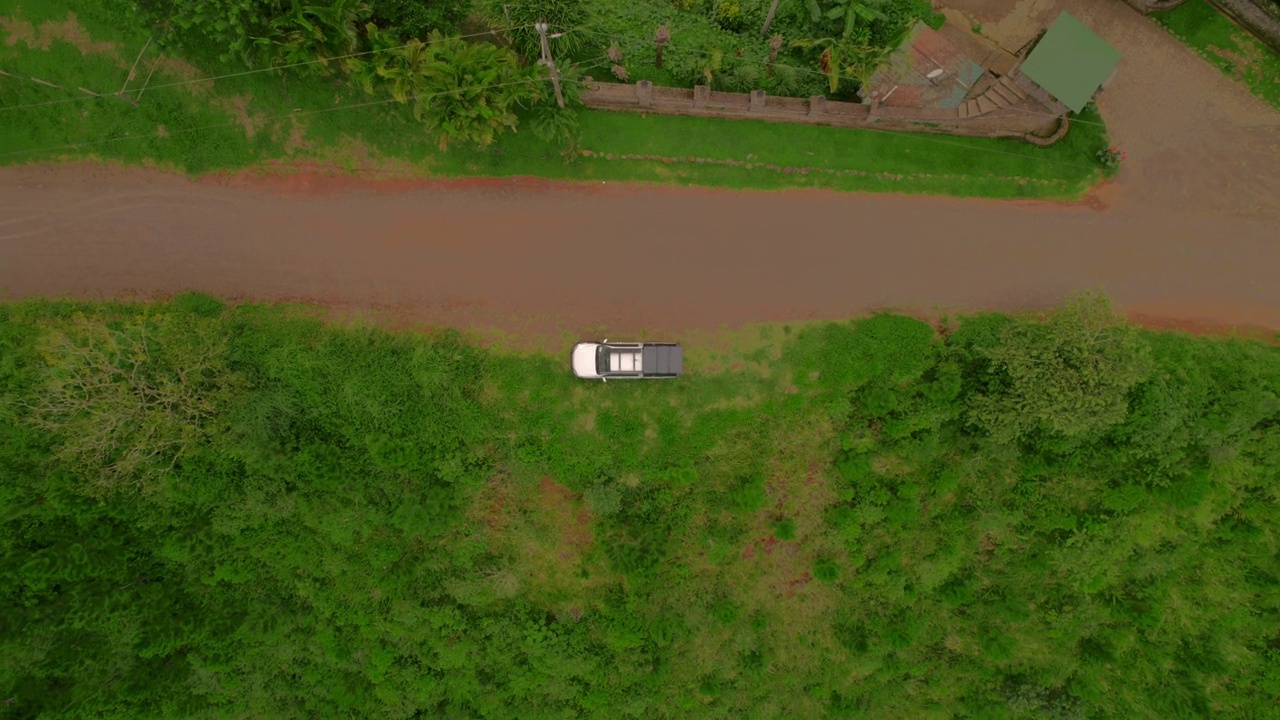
(573, 523)
(495, 499)
(1207, 328)
(766, 544)
(42, 37)
(804, 578)
(321, 179)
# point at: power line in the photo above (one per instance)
(70, 146)
(169, 133)
(640, 41)
(262, 70)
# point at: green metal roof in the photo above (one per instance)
(1070, 62)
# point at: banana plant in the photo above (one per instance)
(852, 11)
(828, 61)
(311, 33)
(841, 58)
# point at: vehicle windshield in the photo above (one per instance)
(602, 360)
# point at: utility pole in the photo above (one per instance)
(549, 62)
(121, 94)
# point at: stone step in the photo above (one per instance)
(1001, 96)
(963, 109)
(985, 106)
(1012, 87)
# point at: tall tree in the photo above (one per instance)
(129, 401)
(1069, 376)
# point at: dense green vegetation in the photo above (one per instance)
(242, 512)
(397, 108)
(822, 47)
(1227, 46)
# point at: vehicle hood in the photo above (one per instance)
(584, 360)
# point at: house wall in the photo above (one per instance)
(1031, 123)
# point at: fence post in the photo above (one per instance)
(701, 94)
(644, 92)
(757, 101)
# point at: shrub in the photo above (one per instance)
(748, 495)
(198, 304)
(666, 629)
(826, 569)
(1069, 376)
(728, 15)
(603, 499)
(725, 611)
(1110, 158)
(784, 529)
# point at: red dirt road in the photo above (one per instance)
(1188, 236)
(535, 257)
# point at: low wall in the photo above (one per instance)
(1259, 17)
(1150, 6)
(1032, 126)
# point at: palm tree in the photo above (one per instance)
(339, 22)
(365, 71)
(470, 91)
(404, 70)
(712, 61)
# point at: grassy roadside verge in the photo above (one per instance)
(304, 519)
(1226, 46)
(244, 121)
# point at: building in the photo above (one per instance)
(1070, 62)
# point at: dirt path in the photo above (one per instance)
(1190, 230)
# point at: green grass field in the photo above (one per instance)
(215, 511)
(1227, 46)
(250, 119)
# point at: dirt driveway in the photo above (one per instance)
(1190, 230)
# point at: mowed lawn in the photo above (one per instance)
(883, 160)
(198, 114)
